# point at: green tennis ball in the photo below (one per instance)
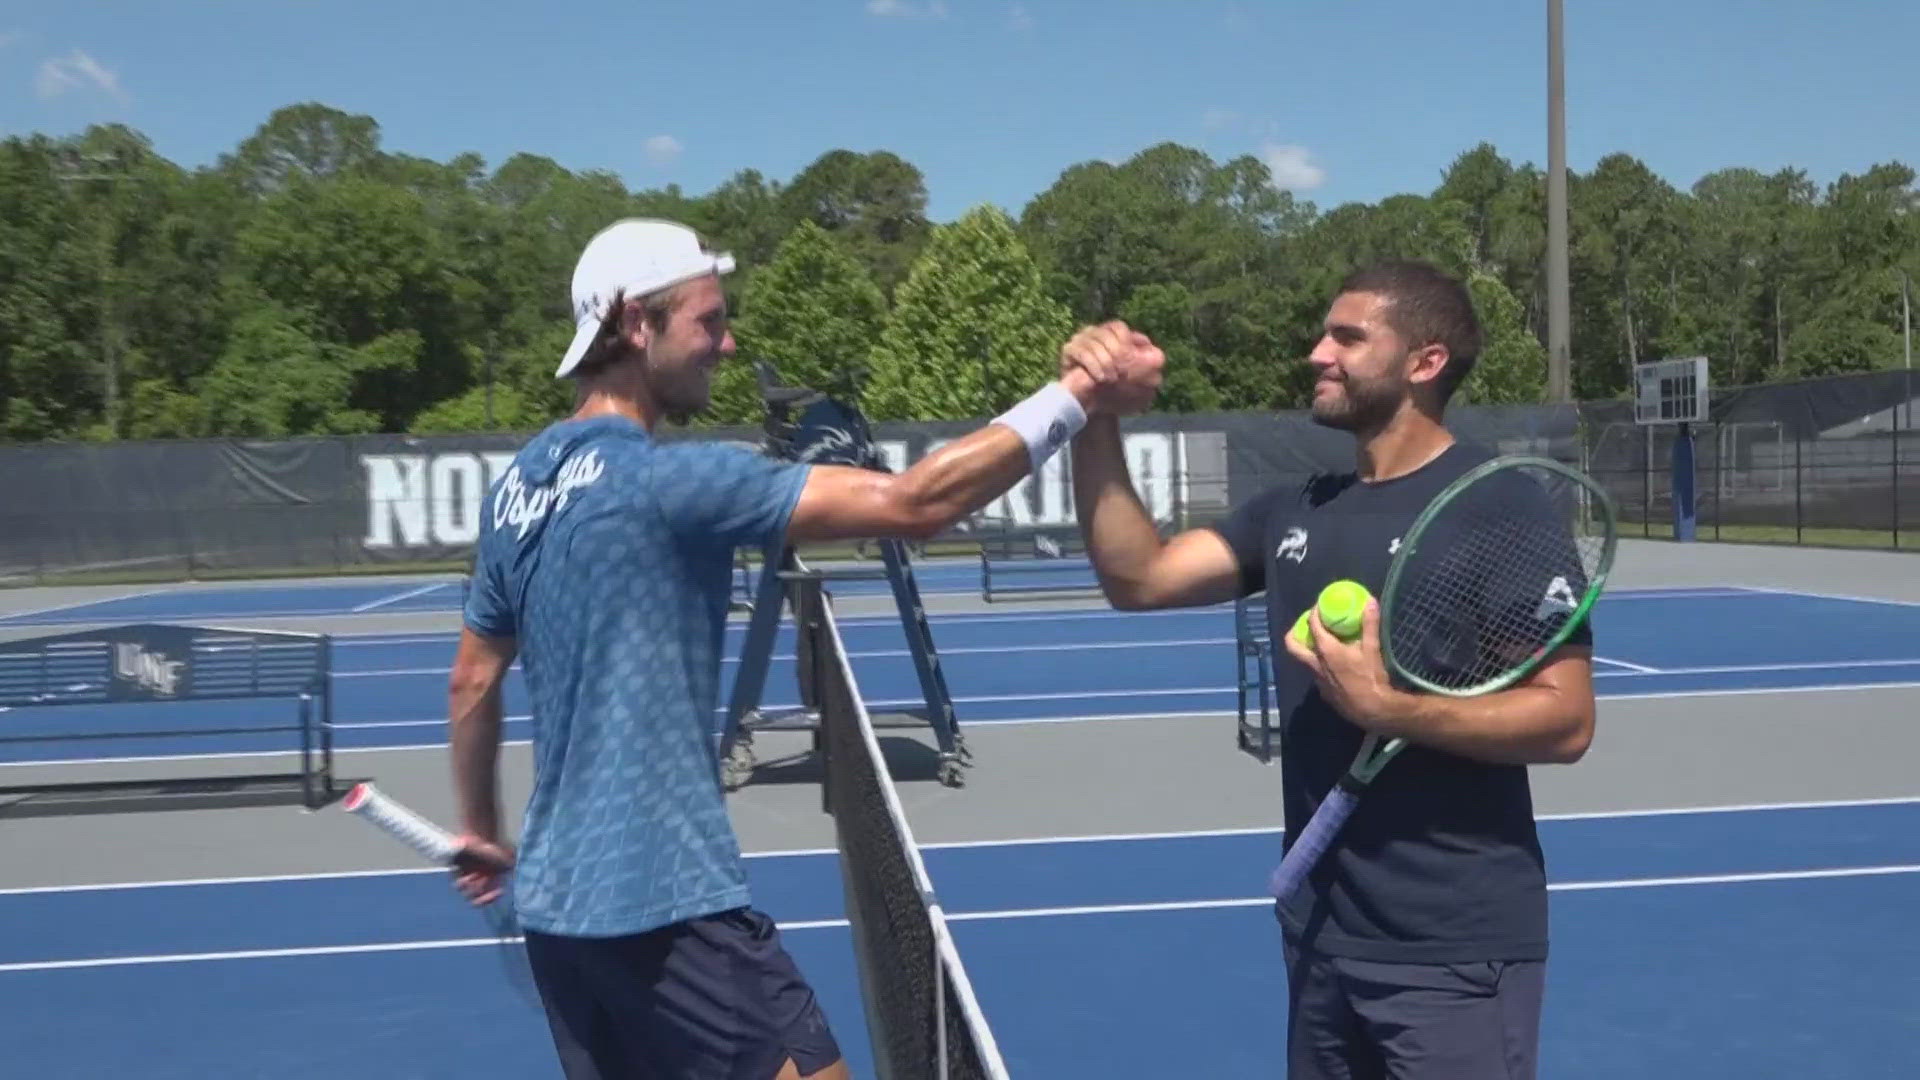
(1303, 629)
(1342, 605)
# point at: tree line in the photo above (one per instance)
(312, 281)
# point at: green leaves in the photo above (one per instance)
(812, 313)
(315, 280)
(972, 330)
(1512, 368)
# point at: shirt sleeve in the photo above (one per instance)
(718, 493)
(487, 610)
(1245, 531)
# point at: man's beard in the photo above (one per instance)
(1363, 405)
(681, 396)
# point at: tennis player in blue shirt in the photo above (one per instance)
(604, 564)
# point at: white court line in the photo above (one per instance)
(965, 650)
(399, 596)
(1202, 690)
(372, 638)
(7, 617)
(952, 916)
(1771, 591)
(1726, 669)
(879, 653)
(1025, 841)
(1828, 688)
(1077, 718)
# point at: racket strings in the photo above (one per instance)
(1493, 582)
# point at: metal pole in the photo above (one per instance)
(1906, 312)
(75, 162)
(1559, 381)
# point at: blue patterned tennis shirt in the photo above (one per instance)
(607, 555)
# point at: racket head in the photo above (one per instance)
(1499, 570)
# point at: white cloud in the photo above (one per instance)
(1021, 18)
(662, 149)
(1216, 119)
(1292, 167)
(8, 37)
(908, 9)
(76, 71)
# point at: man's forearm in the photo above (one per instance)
(475, 743)
(963, 477)
(1120, 535)
(953, 482)
(1526, 725)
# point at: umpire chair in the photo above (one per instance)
(824, 426)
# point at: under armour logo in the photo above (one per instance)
(1394, 547)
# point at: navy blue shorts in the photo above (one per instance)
(1365, 1020)
(713, 998)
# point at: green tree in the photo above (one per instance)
(50, 344)
(358, 260)
(875, 202)
(1165, 313)
(276, 379)
(812, 313)
(308, 141)
(972, 331)
(1512, 368)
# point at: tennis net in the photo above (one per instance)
(922, 1016)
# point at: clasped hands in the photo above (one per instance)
(1112, 368)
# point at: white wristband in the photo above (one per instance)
(1045, 421)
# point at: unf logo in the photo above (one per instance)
(1292, 546)
(154, 672)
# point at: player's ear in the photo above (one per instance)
(639, 328)
(1425, 364)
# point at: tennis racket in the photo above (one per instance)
(439, 846)
(1499, 570)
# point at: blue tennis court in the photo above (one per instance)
(1743, 943)
(939, 577)
(1068, 666)
(1737, 942)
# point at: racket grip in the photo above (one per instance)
(1313, 841)
(431, 841)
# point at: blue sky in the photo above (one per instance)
(1347, 99)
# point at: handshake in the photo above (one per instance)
(1111, 368)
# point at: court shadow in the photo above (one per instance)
(143, 796)
(788, 757)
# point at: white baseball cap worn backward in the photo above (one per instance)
(634, 256)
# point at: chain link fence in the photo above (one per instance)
(1829, 462)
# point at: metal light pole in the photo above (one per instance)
(1906, 312)
(75, 162)
(1559, 304)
